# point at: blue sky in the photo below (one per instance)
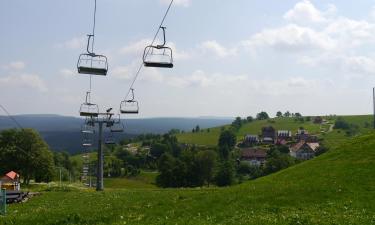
(231, 57)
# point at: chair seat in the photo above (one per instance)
(129, 111)
(117, 130)
(89, 114)
(158, 64)
(92, 70)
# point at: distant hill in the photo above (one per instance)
(63, 133)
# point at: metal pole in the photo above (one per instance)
(99, 175)
(89, 172)
(60, 176)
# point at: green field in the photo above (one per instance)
(211, 138)
(144, 180)
(336, 188)
(337, 137)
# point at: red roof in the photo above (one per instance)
(12, 175)
(299, 145)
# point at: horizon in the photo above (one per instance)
(271, 116)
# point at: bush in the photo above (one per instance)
(262, 116)
(340, 123)
(246, 169)
(321, 150)
(225, 174)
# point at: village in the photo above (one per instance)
(302, 145)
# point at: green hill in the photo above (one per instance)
(211, 138)
(364, 123)
(335, 188)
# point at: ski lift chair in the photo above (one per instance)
(110, 139)
(87, 129)
(160, 56)
(129, 106)
(117, 126)
(89, 109)
(91, 63)
(87, 139)
(86, 143)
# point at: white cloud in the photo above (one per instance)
(351, 33)
(299, 82)
(196, 79)
(24, 80)
(74, 43)
(123, 72)
(17, 65)
(137, 49)
(305, 11)
(331, 11)
(214, 47)
(320, 39)
(67, 73)
(359, 65)
(179, 54)
(184, 3)
(291, 38)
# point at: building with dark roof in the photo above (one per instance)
(255, 156)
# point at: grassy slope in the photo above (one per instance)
(335, 188)
(338, 136)
(211, 138)
(145, 180)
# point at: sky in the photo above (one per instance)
(232, 58)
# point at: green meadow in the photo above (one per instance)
(337, 187)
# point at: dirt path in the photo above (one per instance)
(330, 128)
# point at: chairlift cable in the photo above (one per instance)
(93, 40)
(93, 29)
(153, 41)
(11, 117)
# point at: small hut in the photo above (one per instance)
(11, 181)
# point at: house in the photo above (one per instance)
(302, 135)
(255, 156)
(250, 140)
(11, 181)
(268, 135)
(283, 136)
(304, 150)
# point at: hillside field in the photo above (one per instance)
(335, 188)
(211, 138)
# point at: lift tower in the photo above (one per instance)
(100, 120)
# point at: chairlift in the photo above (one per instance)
(110, 139)
(87, 129)
(86, 144)
(87, 140)
(117, 126)
(129, 106)
(91, 63)
(89, 109)
(158, 55)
